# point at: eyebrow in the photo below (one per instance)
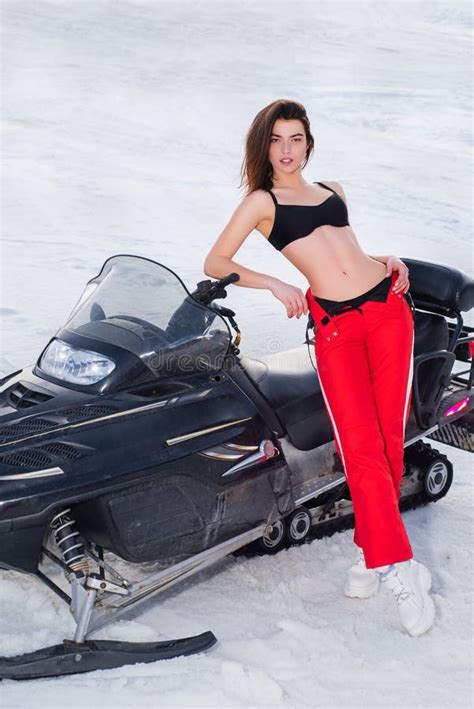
(279, 136)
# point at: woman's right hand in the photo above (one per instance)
(292, 298)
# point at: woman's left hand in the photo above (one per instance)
(395, 264)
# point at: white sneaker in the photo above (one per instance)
(361, 582)
(410, 582)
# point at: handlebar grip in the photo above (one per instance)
(228, 279)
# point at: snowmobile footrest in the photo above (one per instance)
(71, 657)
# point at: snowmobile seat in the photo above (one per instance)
(441, 288)
(291, 385)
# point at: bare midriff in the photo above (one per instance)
(333, 263)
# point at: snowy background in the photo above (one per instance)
(123, 127)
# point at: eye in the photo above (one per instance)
(272, 140)
(298, 139)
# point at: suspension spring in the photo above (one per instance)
(66, 536)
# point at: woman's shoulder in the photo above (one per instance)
(332, 183)
(258, 195)
(256, 200)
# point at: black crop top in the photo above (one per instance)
(295, 221)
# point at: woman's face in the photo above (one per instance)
(288, 145)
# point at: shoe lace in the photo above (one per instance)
(396, 584)
(401, 595)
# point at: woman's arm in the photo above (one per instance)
(251, 211)
(219, 261)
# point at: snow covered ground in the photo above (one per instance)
(123, 126)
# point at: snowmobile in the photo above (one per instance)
(143, 437)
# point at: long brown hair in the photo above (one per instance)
(257, 171)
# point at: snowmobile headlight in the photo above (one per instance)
(70, 364)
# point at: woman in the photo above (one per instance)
(364, 334)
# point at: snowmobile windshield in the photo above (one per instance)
(144, 307)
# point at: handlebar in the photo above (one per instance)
(208, 290)
(186, 320)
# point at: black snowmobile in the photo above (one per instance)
(143, 434)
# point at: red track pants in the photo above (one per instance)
(365, 367)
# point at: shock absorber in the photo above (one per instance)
(66, 536)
